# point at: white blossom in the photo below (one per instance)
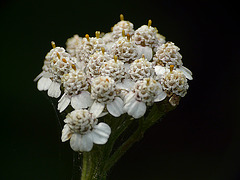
(95, 62)
(166, 55)
(125, 49)
(121, 26)
(75, 91)
(113, 68)
(140, 69)
(146, 36)
(122, 71)
(103, 91)
(145, 93)
(83, 130)
(57, 62)
(72, 44)
(88, 46)
(175, 82)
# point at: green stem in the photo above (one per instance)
(91, 167)
(84, 167)
(101, 158)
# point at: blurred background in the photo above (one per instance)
(197, 141)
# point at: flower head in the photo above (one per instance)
(140, 69)
(145, 93)
(72, 44)
(122, 71)
(103, 89)
(125, 49)
(82, 129)
(76, 87)
(120, 26)
(114, 69)
(104, 93)
(57, 62)
(146, 35)
(167, 55)
(95, 62)
(88, 46)
(175, 82)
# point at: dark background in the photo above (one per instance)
(197, 141)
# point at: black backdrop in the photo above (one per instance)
(199, 140)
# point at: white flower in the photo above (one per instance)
(166, 55)
(120, 26)
(88, 46)
(125, 49)
(145, 93)
(82, 129)
(140, 69)
(75, 87)
(72, 44)
(113, 68)
(146, 36)
(95, 62)
(103, 91)
(174, 82)
(117, 72)
(57, 62)
(43, 78)
(60, 65)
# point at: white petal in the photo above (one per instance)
(66, 133)
(97, 108)
(103, 114)
(100, 133)
(186, 72)
(63, 103)
(81, 143)
(127, 84)
(186, 69)
(135, 108)
(129, 97)
(43, 84)
(161, 96)
(64, 94)
(38, 76)
(54, 90)
(82, 100)
(160, 70)
(115, 107)
(147, 51)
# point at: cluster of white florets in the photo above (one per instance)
(168, 54)
(103, 89)
(80, 121)
(115, 69)
(123, 71)
(147, 36)
(141, 68)
(125, 49)
(74, 82)
(147, 90)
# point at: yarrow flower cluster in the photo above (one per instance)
(123, 71)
